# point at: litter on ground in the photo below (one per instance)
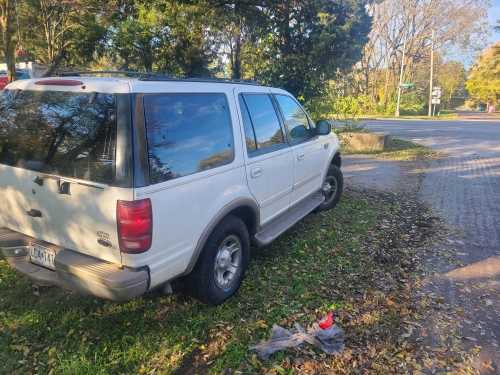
(325, 335)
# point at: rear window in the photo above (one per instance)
(61, 133)
(187, 133)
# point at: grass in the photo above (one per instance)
(401, 150)
(293, 279)
(334, 260)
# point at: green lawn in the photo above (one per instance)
(328, 261)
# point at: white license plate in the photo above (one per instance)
(43, 256)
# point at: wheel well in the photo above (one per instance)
(249, 217)
(337, 160)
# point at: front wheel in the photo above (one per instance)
(222, 263)
(332, 188)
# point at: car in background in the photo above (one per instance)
(20, 74)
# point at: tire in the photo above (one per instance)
(335, 180)
(217, 260)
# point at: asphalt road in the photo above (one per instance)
(458, 138)
(464, 188)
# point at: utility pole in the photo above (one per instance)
(401, 78)
(432, 75)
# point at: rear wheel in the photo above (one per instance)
(222, 263)
(332, 188)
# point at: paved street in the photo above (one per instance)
(458, 138)
(464, 188)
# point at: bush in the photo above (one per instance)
(340, 108)
(411, 104)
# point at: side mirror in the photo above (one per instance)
(323, 127)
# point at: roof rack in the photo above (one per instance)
(154, 77)
(125, 73)
(145, 76)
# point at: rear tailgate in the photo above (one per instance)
(59, 178)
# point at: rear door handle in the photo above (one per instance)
(301, 156)
(256, 172)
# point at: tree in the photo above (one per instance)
(310, 41)
(163, 35)
(451, 78)
(7, 22)
(191, 49)
(241, 25)
(63, 31)
(483, 82)
(296, 44)
(135, 35)
(456, 23)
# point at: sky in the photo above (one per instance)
(468, 58)
(493, 16)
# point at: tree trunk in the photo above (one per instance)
(8, 32)
(386, 87)
(55, 64)
(236, 52)
(236, 68)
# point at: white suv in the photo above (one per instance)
(115, 186)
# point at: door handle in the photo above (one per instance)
(38, 180)
(256, 172)
(301, 156)
(34, 213)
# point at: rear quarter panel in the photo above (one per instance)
(183, 208)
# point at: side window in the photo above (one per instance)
(250, 139)
(297, 123)
(262, 123)
(187, 133)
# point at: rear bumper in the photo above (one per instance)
(75, 271)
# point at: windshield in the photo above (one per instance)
(62, 133)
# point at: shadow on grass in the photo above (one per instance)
(318, 265)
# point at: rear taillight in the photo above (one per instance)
(135, 225)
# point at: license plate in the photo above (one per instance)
(43, 256)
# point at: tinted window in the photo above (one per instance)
(264, 120)
(296, 120)
(61, 133)
(250, 139)
(187, 133)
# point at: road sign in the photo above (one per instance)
(436, 92)
(436, 101)
(407, 85)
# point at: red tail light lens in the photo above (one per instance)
(135, 225)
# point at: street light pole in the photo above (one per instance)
(401, 78)
(432, 75)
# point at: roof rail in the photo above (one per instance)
(97, 72)
(154, 77)
(145, 76)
